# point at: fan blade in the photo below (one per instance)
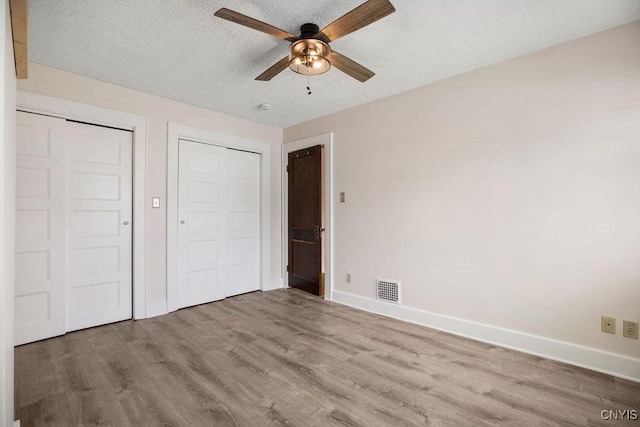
(350, 67)
(274, 70)
(241, 19)
(363, 15)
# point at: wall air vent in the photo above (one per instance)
(388, 290)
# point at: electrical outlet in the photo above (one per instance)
(348, 278)
(630, 329)
(609, 324)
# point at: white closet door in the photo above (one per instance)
(244, 222)
(40, 228)
(202, 222)
(99, 284)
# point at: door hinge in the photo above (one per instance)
(287, 168)
(287, 268)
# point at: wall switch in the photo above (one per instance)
(609, 324)
(155, 202)
(342, 198)
(630, 329)
(348, 278)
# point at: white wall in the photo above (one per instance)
(508, 196)
(159, 111)
(7, 172)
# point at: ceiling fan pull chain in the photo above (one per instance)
(308, 85)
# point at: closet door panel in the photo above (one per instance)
(99, 232)
(40, 228)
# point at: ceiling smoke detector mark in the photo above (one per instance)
(264, 107)
(388, 290)
(609, 324)
(630, 329)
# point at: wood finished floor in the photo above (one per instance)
(288, 358)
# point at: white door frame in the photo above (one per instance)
(177, 132)
(326, 140)
(40, 104)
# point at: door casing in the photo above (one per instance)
(327, 141)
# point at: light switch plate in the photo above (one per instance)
(155, 202)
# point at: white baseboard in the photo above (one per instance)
(275, 284)
(584, 357)
(156, 308)
(16, 423)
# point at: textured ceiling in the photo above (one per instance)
(177, 48)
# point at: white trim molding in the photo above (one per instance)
(177, 132)
(156, 308)
(277, 283)
(326, 140)
(585, 357)
(40, 104)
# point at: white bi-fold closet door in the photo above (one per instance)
(219, 222)
(73, 226)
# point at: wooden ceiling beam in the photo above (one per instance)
(19, 26)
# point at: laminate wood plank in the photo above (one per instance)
(472, 389)
(288, 358)
(52, 410)
(141, 400)
(148, 406)
(414, 388)
(128, 331)
(216, 398)
(38, 366)
(90, 402)
(201, 373)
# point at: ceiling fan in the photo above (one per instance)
(309, 53)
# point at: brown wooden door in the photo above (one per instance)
(305, 220)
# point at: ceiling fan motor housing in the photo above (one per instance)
(307, 31)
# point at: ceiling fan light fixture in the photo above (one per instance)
(309, 57)
(309, 53)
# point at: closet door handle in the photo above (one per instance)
(125, 223)
(183, 222)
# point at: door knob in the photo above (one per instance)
(125, 223)
(183, 222)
